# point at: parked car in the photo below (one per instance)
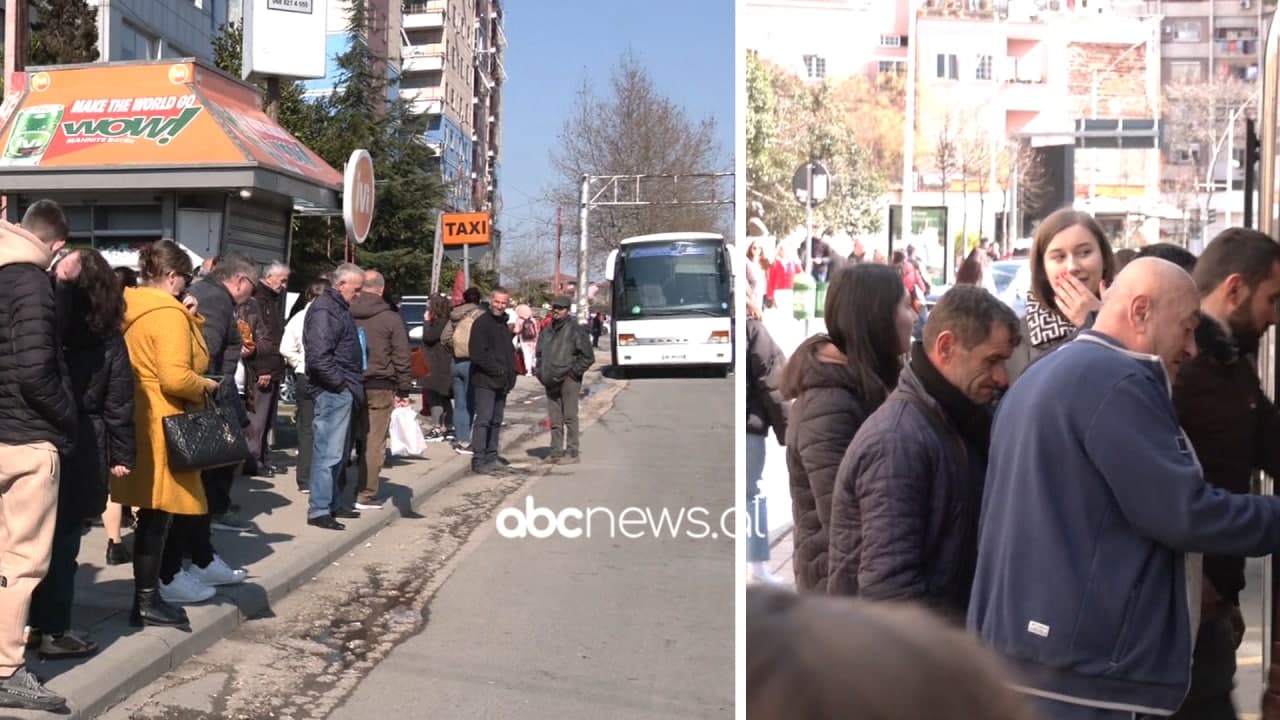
(1012, 284)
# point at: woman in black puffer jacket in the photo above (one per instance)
(837, 380)
(102, 385)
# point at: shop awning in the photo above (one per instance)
(172, 125)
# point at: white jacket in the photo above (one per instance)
(291, 342)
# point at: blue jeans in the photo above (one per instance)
(757, 512)
(463, 401)
(332, 431)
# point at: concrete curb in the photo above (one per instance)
(131, 662)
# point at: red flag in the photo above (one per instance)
(459, 285)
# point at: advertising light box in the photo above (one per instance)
(284, 38)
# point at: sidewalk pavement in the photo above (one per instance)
(281, 556)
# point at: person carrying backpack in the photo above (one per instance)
(457, 337)
(527, 330)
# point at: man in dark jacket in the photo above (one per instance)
(222, 289)
(563, 357)
(493, 375)
(1234, 428)
(387, 381)
(766, 409)
(1088, 579)
(904, 516)
(264, 368)
(37, 420)
(335, 377)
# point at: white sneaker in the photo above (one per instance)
(185, 590)
(218, 573)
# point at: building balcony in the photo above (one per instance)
(419, 15)
(1019, 95)
(425, 100)
(1237, 48)
(422, 58)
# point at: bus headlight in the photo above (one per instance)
(626, 339)
(719, 336)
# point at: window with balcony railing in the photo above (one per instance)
(982, 68)
(815, 66)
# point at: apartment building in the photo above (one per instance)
(383, 39)
(438, 80)
(150, 30)
(817, 39)
(490, 46)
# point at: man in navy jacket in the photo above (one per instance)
(1096, 509)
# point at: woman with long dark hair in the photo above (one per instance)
(1071, 264)
(837, 380)
(439, 380)
(102, 384)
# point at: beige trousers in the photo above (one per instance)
(28, 510)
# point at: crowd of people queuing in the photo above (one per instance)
(97, 358)
(1071, 487)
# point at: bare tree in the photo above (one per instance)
(1197, 117)
(528, 262)
(1020, 167)
(633, 129)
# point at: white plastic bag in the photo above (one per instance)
(407, 439)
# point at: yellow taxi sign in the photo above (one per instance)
(458, 229)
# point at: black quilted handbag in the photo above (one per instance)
(204, 439)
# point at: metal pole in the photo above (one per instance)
(1250, 179)
(909, 134)
(466, 265)
(584, 208)
(1231, 170)
(1267, 350)
(15, 56)
(437, 255)
(808, 222)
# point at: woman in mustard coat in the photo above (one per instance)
(166, 348)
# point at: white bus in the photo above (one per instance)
(672, 301)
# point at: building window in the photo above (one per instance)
(815, 66)
(1183, 31)
(947, 67)
(893, 67)
(893, 41)
(1185, 154)
(1186, 72)
(982, 71)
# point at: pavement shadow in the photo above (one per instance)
(103, 618)
(401, 498)
(539, 453)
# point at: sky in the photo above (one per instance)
(687, 46)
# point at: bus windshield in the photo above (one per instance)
(669, 279)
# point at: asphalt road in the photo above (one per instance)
(591, 627)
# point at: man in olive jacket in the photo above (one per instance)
(564, 354)
(387, 381)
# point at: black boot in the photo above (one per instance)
(150, 609)
(148, 549)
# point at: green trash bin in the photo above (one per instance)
(820, 299)
(802, 288)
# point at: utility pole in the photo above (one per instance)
(584, 210)
(555, 289)
(273, 98)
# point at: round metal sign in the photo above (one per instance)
(812, 173)
(358, 195)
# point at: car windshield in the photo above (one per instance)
(413, 314)
(669, 279)
(1003, 273)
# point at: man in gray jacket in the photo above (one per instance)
(564, 355)
(904, 516)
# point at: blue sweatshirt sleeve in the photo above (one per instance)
(1147, 461)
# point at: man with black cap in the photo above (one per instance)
(564, 354)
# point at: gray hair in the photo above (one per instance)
(232, 265)
(348, 271)
(276, 268)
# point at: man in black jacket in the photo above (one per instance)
(37, 420)
(219, 292)
(265, 366)
(564, 355)
(335, 378)
(904, 516)
(493, 375)
(1234, 429)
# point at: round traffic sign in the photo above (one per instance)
(358, 195)
(811, 183)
